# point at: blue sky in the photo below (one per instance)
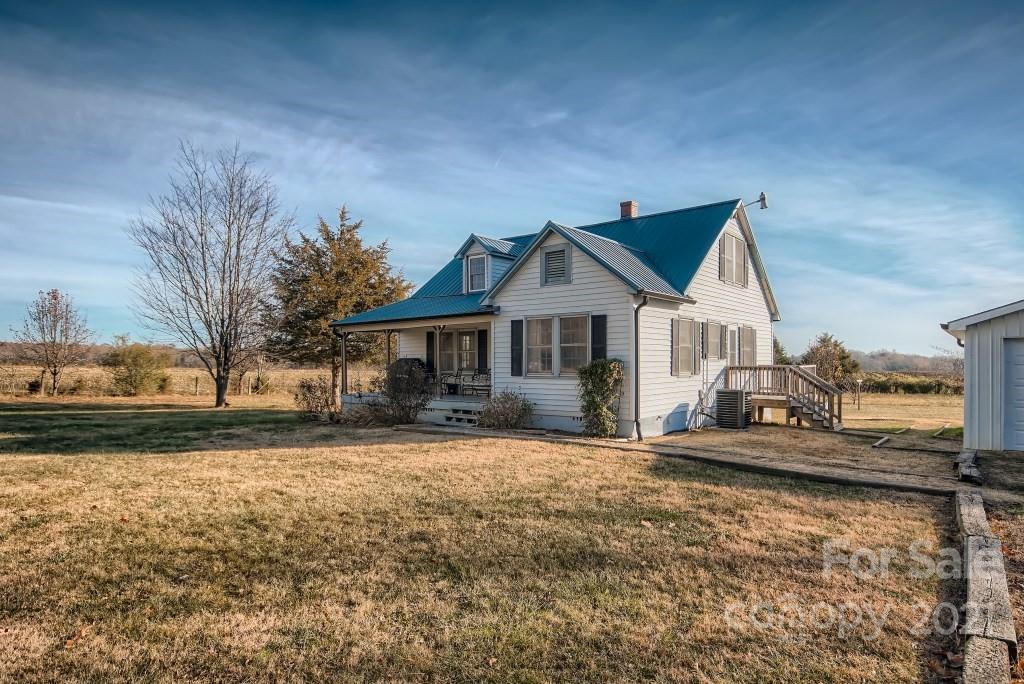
(889, 137)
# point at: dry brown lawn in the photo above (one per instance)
(816, 447)
(918, 411)
(243, 545)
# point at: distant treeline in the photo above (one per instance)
(888, 360)
(925, 382)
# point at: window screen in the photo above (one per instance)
(572, 343)
(538, 345)
(477, 273)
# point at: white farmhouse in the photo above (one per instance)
(678, 296)
(993, 343)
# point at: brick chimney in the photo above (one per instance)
(629, 209)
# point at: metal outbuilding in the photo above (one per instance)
(993, 343)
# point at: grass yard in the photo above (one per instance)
(143, 541)
(924, 412)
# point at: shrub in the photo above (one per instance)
(404, 390)
(600, 384)
(313, 395)
(507, 410)
(906, 383)
(164, 384)
(135, 368)
(78, 386)
(361, 415)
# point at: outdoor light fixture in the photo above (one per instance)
(762, 200)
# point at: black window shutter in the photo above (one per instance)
(431, 355)
(481, 350)
(598, 337)
(517, 348)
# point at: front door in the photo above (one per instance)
(1013, 416)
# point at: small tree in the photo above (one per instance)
(600, 383)
(831, 359)
(53, 336)
(137, 369)
(210, 244)
(779, 353)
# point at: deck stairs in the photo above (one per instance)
(797, 390)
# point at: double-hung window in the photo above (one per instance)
(572, 343)
(476, 273)
(539, 354)
(467, 349)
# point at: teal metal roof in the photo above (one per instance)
(657, 253)
(447, 281)
(420, 307)
(499, 247)
(675, 242)
(630, 264)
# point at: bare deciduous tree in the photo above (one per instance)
(210, 244)
(53, 336)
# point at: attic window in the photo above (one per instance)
(477, 277)
(732, 260)
(555, 268)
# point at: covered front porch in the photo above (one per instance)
(455, 351)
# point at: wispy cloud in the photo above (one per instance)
(893, 178)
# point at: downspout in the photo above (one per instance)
(636, 368)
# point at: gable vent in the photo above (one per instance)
(554, 266)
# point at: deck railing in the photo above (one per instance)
(793, 382)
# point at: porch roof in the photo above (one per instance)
(416, 308)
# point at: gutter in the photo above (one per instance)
(636, 368)
(485, 310)
(959, 341)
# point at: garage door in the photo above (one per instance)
(1014, 417)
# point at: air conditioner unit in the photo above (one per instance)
(734, 409)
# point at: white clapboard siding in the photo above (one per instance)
(984, 380)
(412, 343)
(730, 304)
(593, 291)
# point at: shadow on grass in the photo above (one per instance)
(74, 428)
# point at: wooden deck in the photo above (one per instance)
(797, 390)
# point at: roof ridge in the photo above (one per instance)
(661, 213)
(602, 237)
(491, 237)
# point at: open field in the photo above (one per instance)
(918, 411)
(144, 541)
(96, 381)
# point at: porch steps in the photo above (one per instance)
(462, 416)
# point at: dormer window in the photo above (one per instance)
(476, 269)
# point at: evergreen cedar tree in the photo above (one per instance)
(832, 359)
(326, 277)
(779, 354)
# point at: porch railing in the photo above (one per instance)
(796, 383)
(462, 383)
